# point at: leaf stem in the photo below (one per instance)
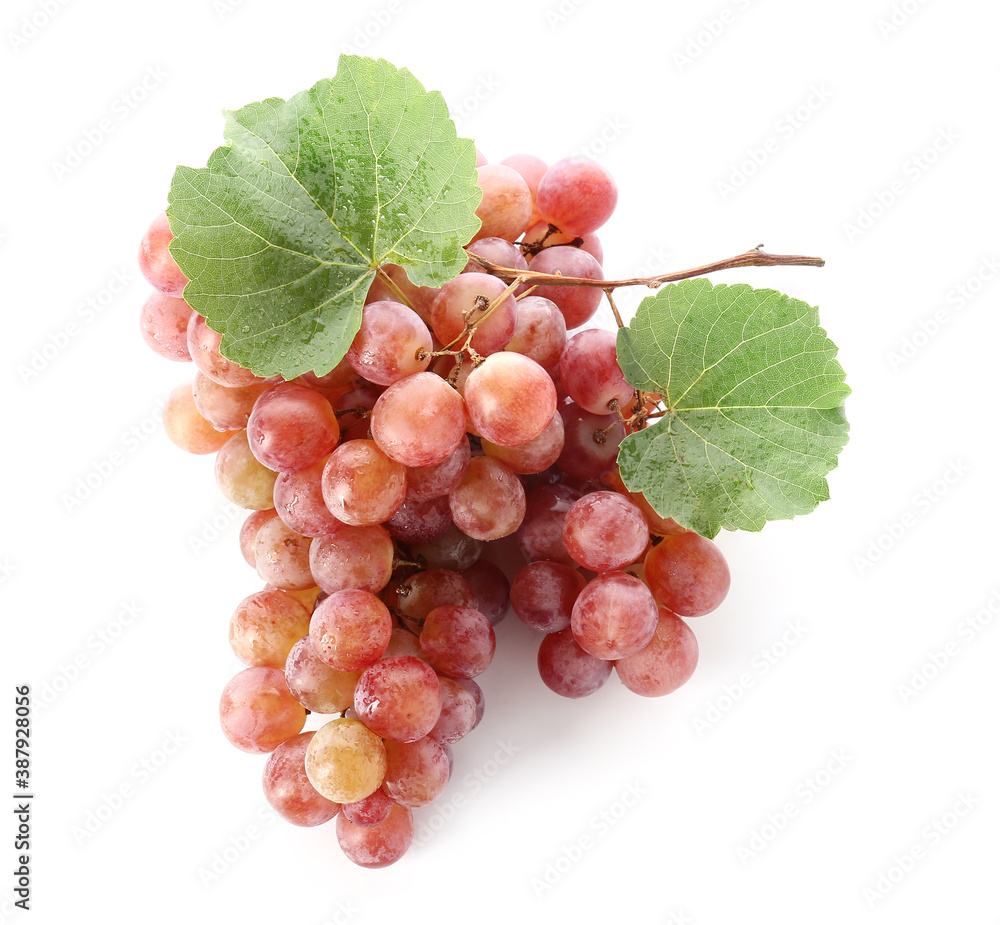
(755, 257)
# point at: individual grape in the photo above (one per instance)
(163, 324)
(506, 206)
(305, 596)
(372, 810)
(567, 669)
(291, 427)
(345, 761)
(403, 642)
(282, 556)
(225, 407)
(490, 589)
(333, 383)
(350, 629)
(591, 375)
(353, 410)
(287, 788)
(416, 772)
(687, 574)
(265, 626)
(498, 251)
(316, 685)
(241, 478)
(355, 557)
(399, 698)
(477, 692)
(510, 399)
(464, 299)
(419, 298)
(204, 345)
(604, 531)
(540, 332)
(258, 712)
(590, 442)
(391, 344)
(420, 521)
(534, 456)
(541, 235)
(424, 483)
(419, 421)
(250, 529)
(186, 428)
(361, 485)
(540, 535)
(413, 598)
(458, 641)
(543, 594)
(666, 663)
(614, 616)
(455, 550)
(378, 845)
(156, 262)
(531, 169)
(298, 501)
(577, 303)
(489, 502)
(458, 712)
(577, 195)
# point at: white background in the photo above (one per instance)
(824, 787)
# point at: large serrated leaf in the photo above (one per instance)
(282, 232)
(754, 397)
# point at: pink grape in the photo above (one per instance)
(604, 531)
(543, 593)
(399, 698)
(163, 323)
(186, 428)
(454, 550)
(415, 597)
(567, 669)
(204, 347)
(531, 169)
(477, 693)
(225, 407)
(591, 375)
(489, 503)
(614, 617)
(419, 298)
(419, 421)
(403, 642)
(424, 483)
(250, 529)
(687, 574)
(534, 456)
(577, 303)
(241, 478)
(354, 557)
(466, 298)
(258, 712)
(314, 684)
(392, 343)
(298, 501)
(353, 410)
(350, 629)
(490, 588)
(265, 626)
(378, 845)
(282, 556)
(420, 521)
(541, 235)
(369, 811)
(540, 535)
(155, 260)
(498, 251)
(416, 772)
(287, 788)
(361, 485)
(577, 195)
(291, 427)
(506, 206)
(540, 332)
(458, 712)
(666, 663)
(510, 399)
(590, 442)
(458, 641)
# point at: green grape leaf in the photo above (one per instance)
(754, 398)
(281, 234)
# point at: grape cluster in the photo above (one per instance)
(459, 416)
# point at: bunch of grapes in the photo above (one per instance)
(459, 416)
